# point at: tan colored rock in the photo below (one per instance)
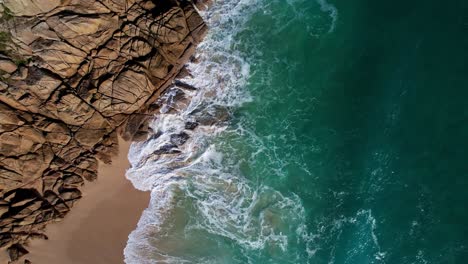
(69, 108)
(10, 117)
(170, 27)
(85, 7)
(87, 70)
(126, 94)
(137, 48)
(3, 209)
(31, 7)
(58, 56)
(21, 141)
(84, 33)
(31, 166)
(57, 133)
(28, 210)
(16, 251)
(70, 151)
(88, 138)
(72, 181)
(10, 179)
(158, 66)
(62, 208)
(70, 194)
(23, 202)
(39, 83)
(7, 66)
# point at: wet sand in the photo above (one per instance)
(97, 228)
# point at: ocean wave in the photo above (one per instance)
(356, 235)
(332, 11)
(165, 161)
(198, 191)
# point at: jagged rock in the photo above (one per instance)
(89, 176)
(191, 125)
(45, 216)
(126, 94)
(16, 251)
(56, 133)
(70, 194)
(58, 57)
(84, 32)
(107, 148)
(77, 73)
(69, 108)
(156, 135)
(7, 66)
(175, 100)
(28, 210)
(184, 85)
(31, 166)
(21, 141)
(31, 7)
(3, 209)
(135, 124)
(211, 114)
(18, 196)
(39, 83)
(5, 239)
(23, 202)
(11, 118)
(25, 223)
(179, 139)
(167, 149)
(61, 208)
(10, 178)
(51, 197)
(73, 180)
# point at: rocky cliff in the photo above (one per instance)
(73, 75)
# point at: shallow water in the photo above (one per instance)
(331, 132)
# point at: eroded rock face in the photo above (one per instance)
(74, 74)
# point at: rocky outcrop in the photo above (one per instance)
(73, 75)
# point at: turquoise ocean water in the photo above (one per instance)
(331, 131)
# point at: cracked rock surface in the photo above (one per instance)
(73, 75)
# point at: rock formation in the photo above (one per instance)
(73, 75)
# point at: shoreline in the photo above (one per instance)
(97, 229)
(66, 99)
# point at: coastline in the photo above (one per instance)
(61, 109)
(97, 229)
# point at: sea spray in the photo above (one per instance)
(205, 207)
(324, 137)
(325, 6)
(227, 205)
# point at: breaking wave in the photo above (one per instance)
(198, 191)
(194, 186)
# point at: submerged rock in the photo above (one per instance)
(167, 149)
(211, 114)
(191, 125)
(184, 85)
(179, 139)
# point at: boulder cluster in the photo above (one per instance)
(74, 74)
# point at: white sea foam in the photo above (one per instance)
(198, 178)
(363, 227)
(332, 11)
(220, 76)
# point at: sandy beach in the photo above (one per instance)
(97, 228)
